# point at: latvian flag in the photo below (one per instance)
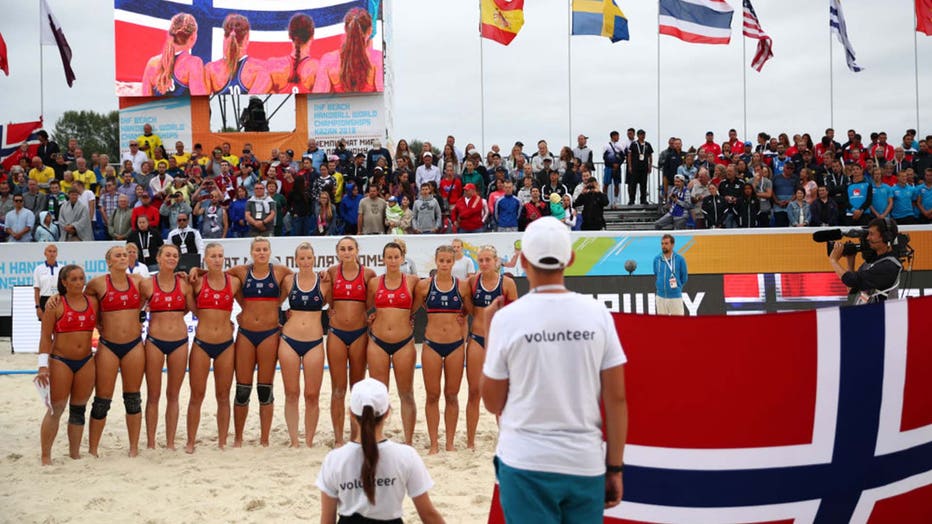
(697, 21)
(14, 135)
(820, 416)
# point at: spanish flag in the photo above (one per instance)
(501, 20)
(599, 18)
(924, 16)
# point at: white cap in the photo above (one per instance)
(546, 244)
(369, 392)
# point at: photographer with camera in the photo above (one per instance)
(593, 202)
(879, 276)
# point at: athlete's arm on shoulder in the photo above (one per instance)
(510, 290)
(372, 285)
(288, 283)
(420, 294)
(466, 294)
(188, 291)
(238, 272)
(370, 275)
(281, 272)
(95, 288)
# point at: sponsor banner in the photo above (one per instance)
(359, 120)
(170, 120)
(280, 46)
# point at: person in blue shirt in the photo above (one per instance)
(507, 209)
(859, 198)
(348, 208)
(784, 188)
(671, 273)
(882, 197)
(904, 195)
(924, 198)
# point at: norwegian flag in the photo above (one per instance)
(752, 29)
(820, 416)
(14, 135)
(771, 292)
(140, 27)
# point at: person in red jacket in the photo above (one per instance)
(146, 208)
(470, 211)
(451, 187)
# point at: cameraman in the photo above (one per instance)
(879, 276)
(593, 203)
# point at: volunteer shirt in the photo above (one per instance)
(551, 421)
(45, 278)
(400, 470)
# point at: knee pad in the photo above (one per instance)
(242, 394)
(264, 393)
(100, 407)
(133, 403)
(76, 414)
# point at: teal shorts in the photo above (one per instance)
(549, 498)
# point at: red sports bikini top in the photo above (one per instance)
(394, 298)
(210, 298)
(117, 300)
(163, 301)
(350, 289)
(72, 320)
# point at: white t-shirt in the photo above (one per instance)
(463, 267)
(400, 470)
(86, 198)
(551, 422)
(46, 279)
(139, 269)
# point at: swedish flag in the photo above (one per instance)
(599, 18)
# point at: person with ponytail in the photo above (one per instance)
(234, 72)
(295, 73)
(176, 72)
(366, 480)
(356, 67)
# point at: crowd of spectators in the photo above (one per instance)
(187, 196)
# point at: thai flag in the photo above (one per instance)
(697, 21)
(140, 27)
(821, 416)
(12, 136)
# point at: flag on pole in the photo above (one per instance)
(697, 21)
(52, 35)
(599, 18)
(752, 29)
(501, 19)
(840, 28)
(14, 135)
(4, 62)
(924, 16)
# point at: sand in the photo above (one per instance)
(250, 484)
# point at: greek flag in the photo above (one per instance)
(836, 20)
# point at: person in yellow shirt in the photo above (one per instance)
(148, 141)
(228, 155)
(66, 182)
(332, 160)
(181, 158)
(85, 175)
(41, 173)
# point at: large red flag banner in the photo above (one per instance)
(817, 416)
(13, 136)
(924, 16)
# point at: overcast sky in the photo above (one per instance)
(436, 54)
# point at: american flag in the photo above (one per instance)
(816, 417)
(14, 135)
(752, 29)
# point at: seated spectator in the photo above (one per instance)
(713, 209)
(47, 230)
(677, 203)
(120, 221)
(187, 239)
(74, 219)
(798, 210)
(824, 211)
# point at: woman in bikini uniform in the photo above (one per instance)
(169, 299)
(446, 299)
(64, 351)
(485, 286)
(214, 292)
(347, 338)
(301, 343)
(391, 335)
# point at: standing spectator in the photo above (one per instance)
(48, 229)
(710, 148)
(904, 196)
(471, 176)
(582, 151)
(128, 187)
(371, 219)
(698, 190)
(731, 189)
(260, 213)
(145, 208)
(74, 219)
(924, 198)
(427, 171)
(533, 210)
(824, 211)
(348, 208)
(377, 152)
(678, 203)
(281, 207)
(640, 154)
(317, 155)
(713, 209)
(214, 222)
(109, 198)
(326, 215)
(394, 217)
(41, 173)
(148, 141)
(671, 275)
(530, 380)
(426, 211)
(135, 156)
(120, 221)
(784, 187)
(860, 197)
(748, 207)
(798, 210)
(470, 212)
(19, 222)
(357, 172)
(670, 160)
(763, 188)
(146, 239)
(47, 147)
(45, 278)
(614, 154)
(237, 214)
(33, 199)
(172, 209)
(187, 239)
(881, 195)
(553, 185)
(144, 176)
(55, 198)
(507, 209)
(836, 180)
(301, 207)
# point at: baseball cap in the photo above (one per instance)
(470, 186)
(547, 159)
(583, 136)
(546, 244)
(428, 153)
(393, 198)
(681, 177)
(369, 392)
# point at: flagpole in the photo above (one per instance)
(659, 197)
(831, 78)
(744, 79)
(569, 71)
(916, 63)
(481, 85)
(41, 70)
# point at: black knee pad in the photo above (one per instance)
(133, 403)
(264, 393)
(100, 407)
(76, 414)
(242, 394)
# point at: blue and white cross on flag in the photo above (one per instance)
(837, 21)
